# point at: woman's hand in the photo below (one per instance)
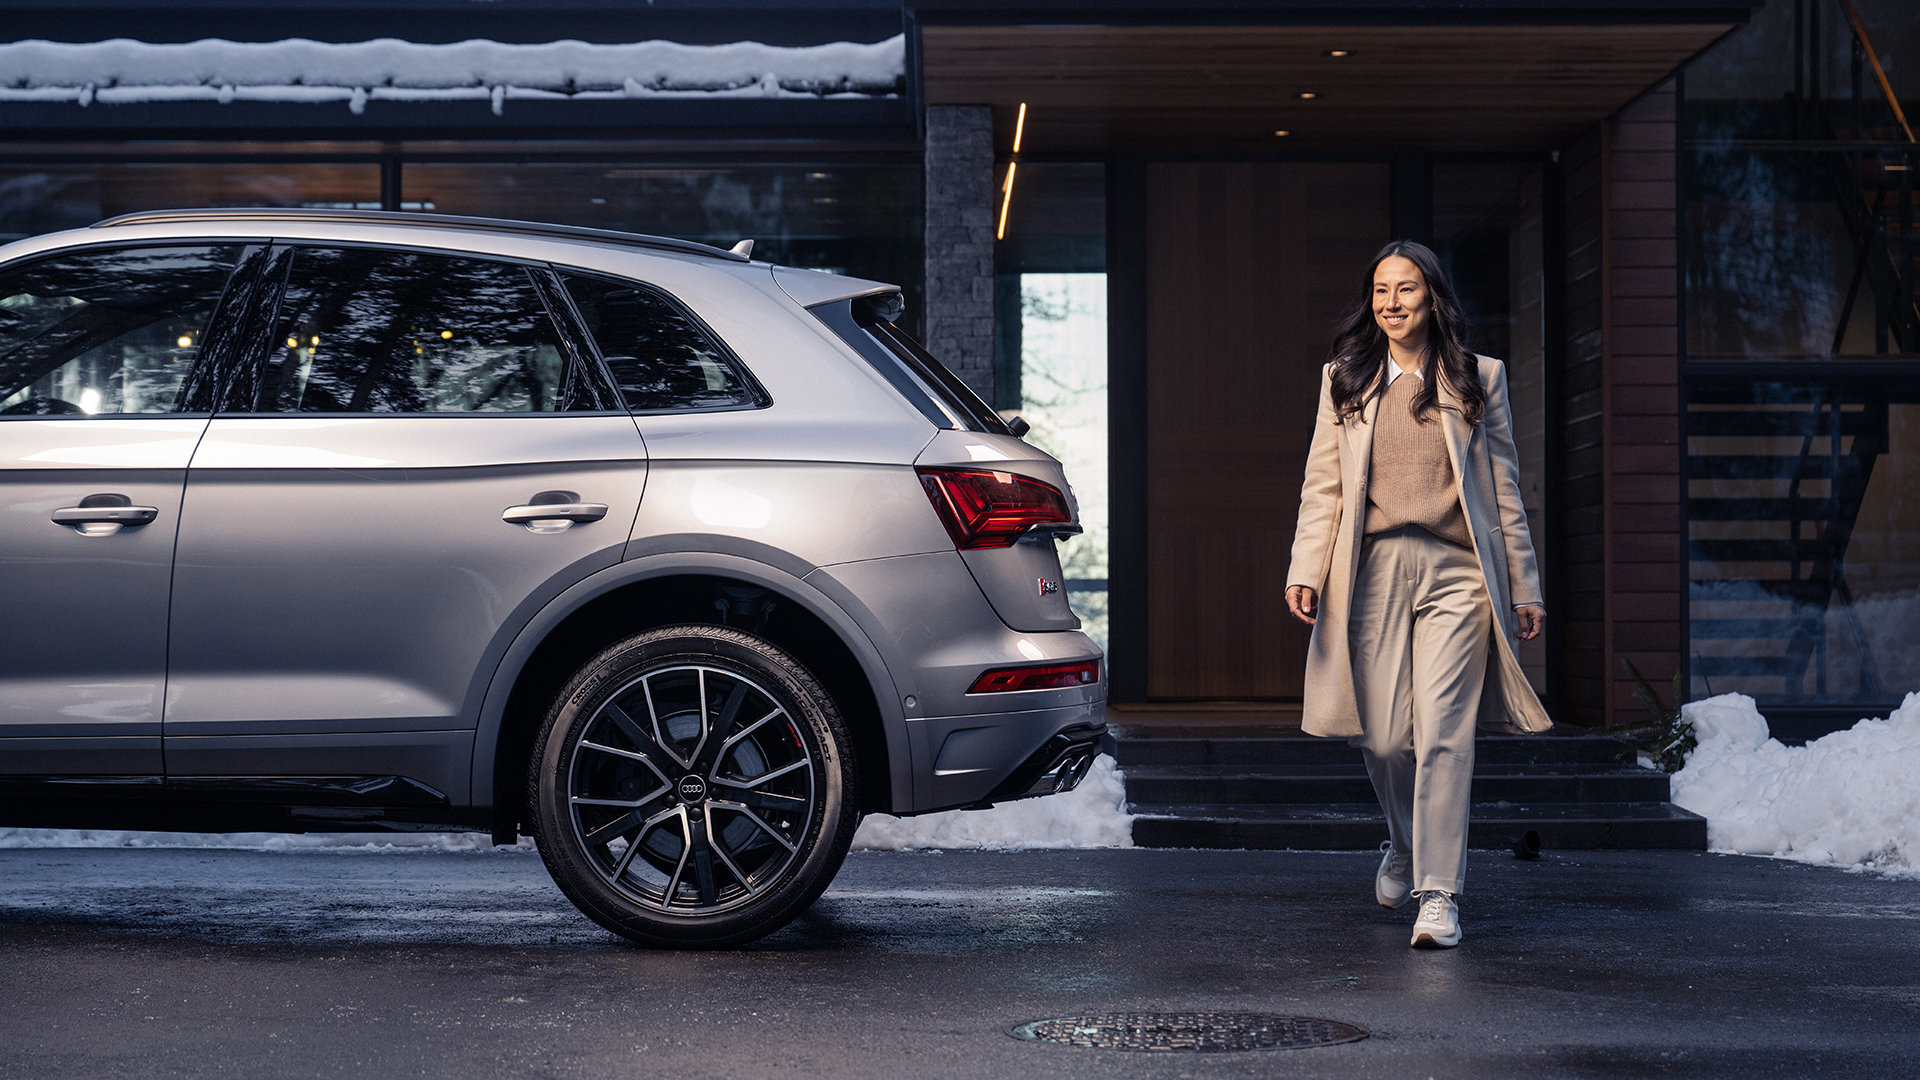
(1533, 618)
(1302, 602)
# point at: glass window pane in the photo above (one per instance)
(46, 198)
(1050, 351)
(858, 219)
(661, 359)
(396, 332)
(1798, 181)
(106, 331)
(1063, 395)
(1804, 541)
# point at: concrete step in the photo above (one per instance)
(1359, 825)
(1244, 784)
(1491, 750)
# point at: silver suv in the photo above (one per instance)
(677, 561)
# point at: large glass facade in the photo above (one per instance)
(45, 198)
(862, 219)
(1802, 367)
(1051, 362)
(851, 217)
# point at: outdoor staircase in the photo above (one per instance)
(1793, 474)
(1577, 792)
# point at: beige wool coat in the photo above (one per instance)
(1326, 546)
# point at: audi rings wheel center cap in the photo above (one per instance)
(692, 789)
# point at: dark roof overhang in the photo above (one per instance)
(1492, 75)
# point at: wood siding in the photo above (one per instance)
(1623, 564)
(1249, 265)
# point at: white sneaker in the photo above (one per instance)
(1438, 926)
(1392, 883)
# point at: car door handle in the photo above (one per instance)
(581, 512)
(110, 514)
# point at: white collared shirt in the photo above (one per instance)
(1394, 371)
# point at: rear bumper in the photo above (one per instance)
(995, 757)
(1057, 767)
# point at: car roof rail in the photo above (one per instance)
(441, 221)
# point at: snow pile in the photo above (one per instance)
(108, 838)
(123, 71)
(1091, 815)
(1851, 798)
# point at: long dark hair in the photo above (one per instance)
(1360, 346)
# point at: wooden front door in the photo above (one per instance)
(1249, 267)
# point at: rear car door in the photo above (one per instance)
(414, 458)
(96, 348)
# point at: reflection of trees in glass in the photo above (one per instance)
(373, 331)
(106, 331)
(1769, 261)
(1063, 384)
(659, 356)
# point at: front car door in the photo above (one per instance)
(95, 350)
(413, 458)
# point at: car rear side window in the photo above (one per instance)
(662, 359)
(375, 331)
(866, 324)
(110, 332)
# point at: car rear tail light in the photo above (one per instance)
(986, 509)
(1047, 677)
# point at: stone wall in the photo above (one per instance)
(959, 239)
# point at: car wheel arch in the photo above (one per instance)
(569, 630)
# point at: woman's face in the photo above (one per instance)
(1401, 303)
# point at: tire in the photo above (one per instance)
(692, 787)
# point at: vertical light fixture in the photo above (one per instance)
(1006, 189)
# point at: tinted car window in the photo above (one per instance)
(866, 324)
(399, 332)
(661, 358)
(106, 332)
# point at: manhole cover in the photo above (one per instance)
(1200, 1032)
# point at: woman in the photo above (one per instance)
(1413, 565)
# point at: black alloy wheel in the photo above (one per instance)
(693, 789)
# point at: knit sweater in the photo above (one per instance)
(1411, 479)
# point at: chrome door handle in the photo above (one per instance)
(107, 515)
(581, 512)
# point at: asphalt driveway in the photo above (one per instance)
(163, 963)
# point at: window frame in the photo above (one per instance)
(757, 391)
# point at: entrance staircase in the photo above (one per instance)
(1577, 792)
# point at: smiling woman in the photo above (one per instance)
(1412, 562)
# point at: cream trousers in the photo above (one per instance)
(1418, 634)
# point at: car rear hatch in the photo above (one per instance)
(1004, 503)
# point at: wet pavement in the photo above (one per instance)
(160, 963)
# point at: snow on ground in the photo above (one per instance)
(358, 841)
(1092, 815)
(1851, 798)
(124, 71)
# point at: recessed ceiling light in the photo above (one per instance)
(1283, 133)
(1338, 52)
(1307, 95)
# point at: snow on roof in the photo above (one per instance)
(124, 71)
